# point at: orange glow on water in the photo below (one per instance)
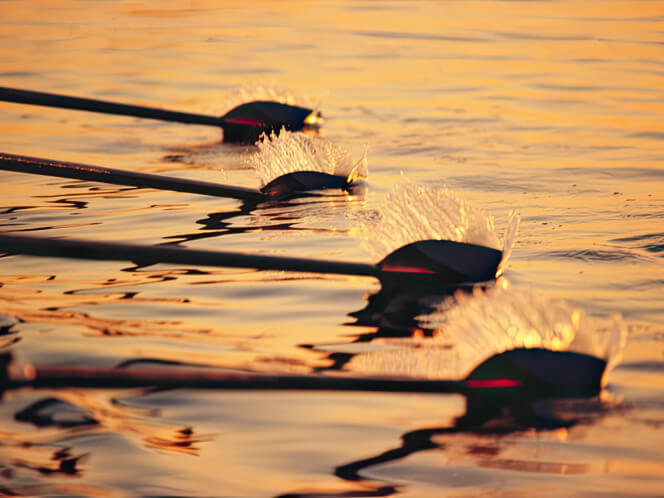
(551, 109)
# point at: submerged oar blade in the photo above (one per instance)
(247, 122)
(447, 261)
(537, 373)
(304, 181)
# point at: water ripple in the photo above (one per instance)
(598, 255)
(653, 242)
(418, 36)
(653, 135)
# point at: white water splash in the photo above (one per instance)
(413, 212)
(289, 152)
(509, 239)
(472, 328)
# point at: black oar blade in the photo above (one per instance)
(537, 373)
(445, 261)
(247, 122)
(244, 123)
(303, 181)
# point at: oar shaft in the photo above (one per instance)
(94, 105)
(55, 377)
(144, 255)
(48, 167)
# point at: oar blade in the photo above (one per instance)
(445, 261)
(537, 373)
(247, 122)
(304, 181)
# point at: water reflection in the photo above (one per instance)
(61, 462)
(53, 412)
(516, 436)
(8, 333)
(392, 313)
(521, 117)
(68, 421)
(488, 420)
(483, 435)
(490, 423)
(288, 213)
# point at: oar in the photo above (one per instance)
(284, 185)
(518, 373)
(441, 261)
(244, 123)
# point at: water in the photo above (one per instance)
(553, 110)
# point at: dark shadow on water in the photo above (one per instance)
(53, 412)
(64, 463)
(493, 421)
(280, 214)
(393, 312)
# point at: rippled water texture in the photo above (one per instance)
(552, 110)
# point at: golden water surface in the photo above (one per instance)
(554, 109)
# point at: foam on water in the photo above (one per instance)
(472, 328)
(414, 212)
(509, 239)
(289, 152)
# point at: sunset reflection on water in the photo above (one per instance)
(553, 110)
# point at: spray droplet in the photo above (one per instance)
(290, 152)
(413, 212)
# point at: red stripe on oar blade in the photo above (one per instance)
(243, 121)
(493, 383)
(405, 269)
